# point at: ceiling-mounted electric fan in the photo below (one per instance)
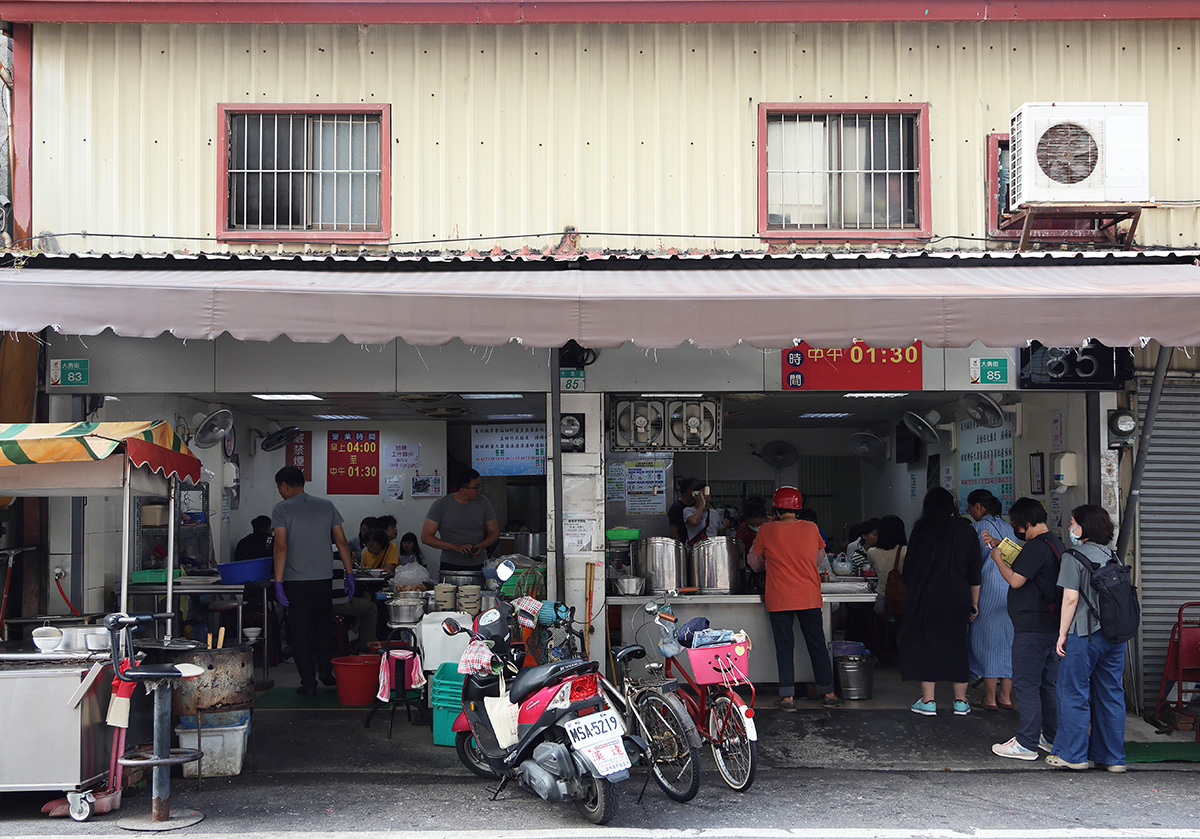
(866, 444)
(988, 412)
(778, 454)
(209, 429)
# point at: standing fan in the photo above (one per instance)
(208, 431)
(866, 444)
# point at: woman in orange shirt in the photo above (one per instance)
(791, 548)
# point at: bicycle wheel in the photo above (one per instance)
(735, 754)
(674, 762)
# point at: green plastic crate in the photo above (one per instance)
(443, 722)
(155, 575)
(531, 581)
(622, 534)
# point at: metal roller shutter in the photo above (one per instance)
(1168, 525)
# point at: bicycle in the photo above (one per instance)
(648, 707)
(711, 699)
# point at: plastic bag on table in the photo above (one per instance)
(413, 574)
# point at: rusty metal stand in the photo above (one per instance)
(1109, 214)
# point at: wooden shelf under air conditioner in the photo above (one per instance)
(1108, 214)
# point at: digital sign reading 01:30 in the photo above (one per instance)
(857, 367)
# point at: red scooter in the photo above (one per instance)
(549, 728)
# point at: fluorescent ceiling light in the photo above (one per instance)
(873, 395)
(510, 416)
(287, 397)
(491, 396)
(826, 415)
(672, 395)
(340, 417)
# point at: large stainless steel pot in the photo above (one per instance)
(662, 562)
(461, 578)
(226, 683)
(718, 565)
(530, 544)
(405, 611)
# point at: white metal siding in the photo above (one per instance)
(509, 131)
(1168, 525)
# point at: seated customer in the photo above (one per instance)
(360, 541)
(362, 611)
(379, 552)
(258, 544)
(410, 549)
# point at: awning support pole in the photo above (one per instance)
(126, 511)
(1139, 464)
(172, 496)
(554, 446)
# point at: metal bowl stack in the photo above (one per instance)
(469, 599)
(630, 586)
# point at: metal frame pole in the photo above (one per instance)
(1139, 464)
(554, 446)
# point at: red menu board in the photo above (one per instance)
(857, 367)
(353, 465)
(299, 453)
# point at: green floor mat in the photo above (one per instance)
(1162, 752)
(286, 699)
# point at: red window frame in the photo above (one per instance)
(383, 234)
(924, 228)
(1055, 229)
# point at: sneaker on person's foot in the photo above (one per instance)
(1044, 744)
(1058, 763)
(1015, 750)
(961, 708)
(1111, 767)
(928, 709)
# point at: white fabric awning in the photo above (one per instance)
(1119, 304)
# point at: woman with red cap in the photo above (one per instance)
(791, 548)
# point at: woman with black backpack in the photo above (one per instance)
(1089, 677)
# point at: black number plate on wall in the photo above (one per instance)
(1094, 367)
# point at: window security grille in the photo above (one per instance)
(842, 171)
(304, 172)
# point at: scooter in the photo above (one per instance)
(549, 728)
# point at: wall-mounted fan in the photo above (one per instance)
(778, 454)
(209, 429)
(637, 424)
(695, 424)
(988, 412)
(866, 444)
(278, 439)
(924, 426)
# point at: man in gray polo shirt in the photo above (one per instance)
(304, 527)
(464, 523)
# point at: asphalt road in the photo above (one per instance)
(822, 774)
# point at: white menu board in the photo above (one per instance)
(985, 460)
(508, 449)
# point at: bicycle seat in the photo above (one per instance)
(533, 679)
(633, 652)
(151, 673)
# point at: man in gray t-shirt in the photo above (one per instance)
(462, 525)
(305, 526)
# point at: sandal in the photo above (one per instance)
(979, 703)
(786, 703)
(1004, 706)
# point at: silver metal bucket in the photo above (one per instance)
(854, 676)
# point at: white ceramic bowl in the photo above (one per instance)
(47, 638)
(252, 632)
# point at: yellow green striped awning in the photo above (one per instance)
(151, 443)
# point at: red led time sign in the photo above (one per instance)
(857, 367)
(353, 467)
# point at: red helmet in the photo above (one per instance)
(787, 498)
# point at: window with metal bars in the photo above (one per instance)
(861, 173)
(306, 173)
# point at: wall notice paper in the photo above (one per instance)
(508, 449)
(394, 486)
(427, 486)
(578, 533)
(353, 463)
(614, 482)
(645, 486)
(985, 460)
(402, 456)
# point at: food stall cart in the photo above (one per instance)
(52, 703)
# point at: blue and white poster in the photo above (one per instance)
(985, 460)
(508, 449)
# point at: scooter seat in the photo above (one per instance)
(533, 679)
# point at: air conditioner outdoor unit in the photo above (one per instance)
(1080, 152)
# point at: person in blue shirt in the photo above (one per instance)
(992, 631)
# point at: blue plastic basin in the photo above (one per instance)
(247, 570)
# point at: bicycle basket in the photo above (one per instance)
(724, 664)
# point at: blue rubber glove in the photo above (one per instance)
(280, 596)
(349, 585)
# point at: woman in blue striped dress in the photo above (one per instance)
(992, 631)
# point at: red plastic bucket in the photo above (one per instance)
(357, 679)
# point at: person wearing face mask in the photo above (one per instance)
(992, 631)
(1091, 698)
(700, 519)
(753, 517)
(1033, 604)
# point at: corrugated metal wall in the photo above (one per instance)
(1168, 524)
(510, 131)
